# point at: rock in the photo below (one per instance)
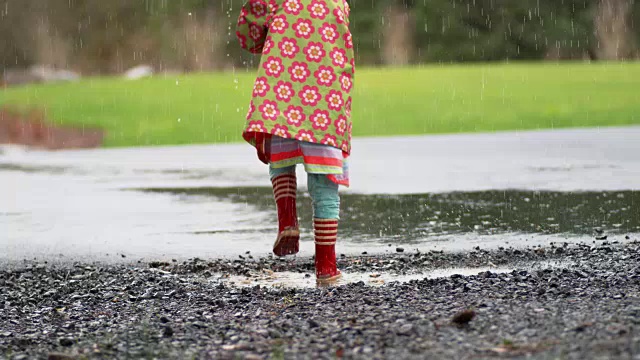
(313, 323)
(399, 249)
(167, 332)
(61, 356)
(37, 74)
(405, 329)
(66, 342)
(138, 72)
(604, 237)
(49, 74)
(582, 327)
(463, 317)
(16, 77)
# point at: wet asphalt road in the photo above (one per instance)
(449, 192)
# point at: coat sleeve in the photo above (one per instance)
(253, 25)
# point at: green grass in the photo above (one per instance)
(208, 108)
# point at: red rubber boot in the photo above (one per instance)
(326, 234)
(284, 192)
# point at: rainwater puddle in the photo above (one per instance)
(289, 279)
(419, 218)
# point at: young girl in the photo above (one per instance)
(301, 111)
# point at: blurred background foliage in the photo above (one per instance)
(105, 37)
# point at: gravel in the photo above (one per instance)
(587, 308)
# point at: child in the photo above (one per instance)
(301, 112)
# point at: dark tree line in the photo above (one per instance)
(96, 36)
(489, 30)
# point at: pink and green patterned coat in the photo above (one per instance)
(306, 74)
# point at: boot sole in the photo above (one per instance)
(329, 280)
(287, 243)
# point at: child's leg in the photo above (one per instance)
(326, 212)
(273, 172)
(284, 191)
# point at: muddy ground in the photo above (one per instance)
(34, 130)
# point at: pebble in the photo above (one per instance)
(167, 332)
(191, 310)
(66, 342)
(405, 329)
(60, 356)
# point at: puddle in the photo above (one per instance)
(417, 218)
(307, 280)
(297, 280)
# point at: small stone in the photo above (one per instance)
(463, 317)
(604, 237)
(313, 324)
(60, 356)
(167, 332)
(399, 249)
(164, 319)
(405, 329)
(66, 342)
(582, 327)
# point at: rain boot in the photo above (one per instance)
(326, 234)
(284, 192)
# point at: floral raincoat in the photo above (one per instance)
(306, 74)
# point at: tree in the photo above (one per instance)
(486, 30)
(614, 30)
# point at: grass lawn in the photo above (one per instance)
(208, 108)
